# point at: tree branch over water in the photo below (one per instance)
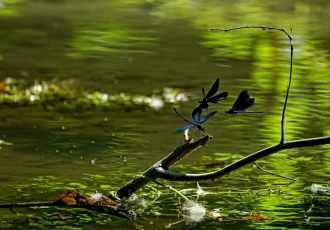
(160, 169)
(167, 175)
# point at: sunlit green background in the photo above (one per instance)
(138, 47)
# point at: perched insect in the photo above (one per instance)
(209, 96)
(242, 103)
(197, 119)
(203, 104)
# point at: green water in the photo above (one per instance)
(140, 47)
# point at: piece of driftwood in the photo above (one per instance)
(73, 198)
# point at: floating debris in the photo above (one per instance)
(56, 95)
(192, 212)
(318, 188)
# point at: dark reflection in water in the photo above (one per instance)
(136, 47)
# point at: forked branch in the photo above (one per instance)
(160, 169)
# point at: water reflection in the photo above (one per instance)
(136, 47)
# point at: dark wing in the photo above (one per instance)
(179, 130)
(182, 116)
(196, 114)
(242, 97)
(213, 89)
(207, 116)
(216, 98)
(245, 105)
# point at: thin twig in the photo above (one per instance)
(288, 89)
(275, 174)
(29, 204)
(282, 141)
(11, 206)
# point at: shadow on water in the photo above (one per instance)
(138, 48)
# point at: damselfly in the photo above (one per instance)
(197, 119)
(242, 103)
(209, 96)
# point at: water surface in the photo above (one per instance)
(140, 47)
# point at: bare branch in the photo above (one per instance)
(282, 141)
(160, 169)
(167, 175)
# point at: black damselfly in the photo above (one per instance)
(242, 103)
(209, 96)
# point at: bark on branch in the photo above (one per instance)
(172, 176)
(149, 175)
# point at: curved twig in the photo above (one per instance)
(282, 141)
(288, 89)
(275, 174)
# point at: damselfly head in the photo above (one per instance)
(231, 113)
